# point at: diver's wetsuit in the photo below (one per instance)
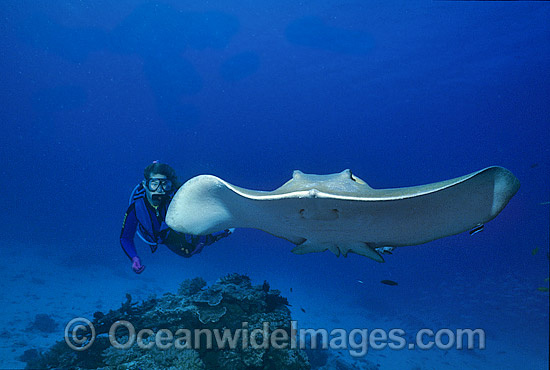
(153, 228)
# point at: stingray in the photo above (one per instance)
(341, 213)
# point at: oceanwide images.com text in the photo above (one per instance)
(80, 335)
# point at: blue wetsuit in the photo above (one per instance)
(152, 227)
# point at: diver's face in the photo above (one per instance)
(155, 197)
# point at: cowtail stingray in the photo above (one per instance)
(342, 213)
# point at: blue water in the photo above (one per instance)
(402, 93)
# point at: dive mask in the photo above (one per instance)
(154, 184)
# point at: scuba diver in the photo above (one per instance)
(145, 216)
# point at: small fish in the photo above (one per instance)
(542, 289)
(477, 229)
(290, 290)
(546, 279)
(535, 251)
(545, 203)
(301, 308)
(385, 250)
(534, 165)
(360, 282)
(389, 282)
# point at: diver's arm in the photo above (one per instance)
(198, 242)
(129, 227)
(128, 232)
(212, 238)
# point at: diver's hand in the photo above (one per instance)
(224, 234)
(137, 266)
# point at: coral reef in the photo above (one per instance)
(230, 305)
(191, 286)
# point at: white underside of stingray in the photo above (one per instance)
(341, 213)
